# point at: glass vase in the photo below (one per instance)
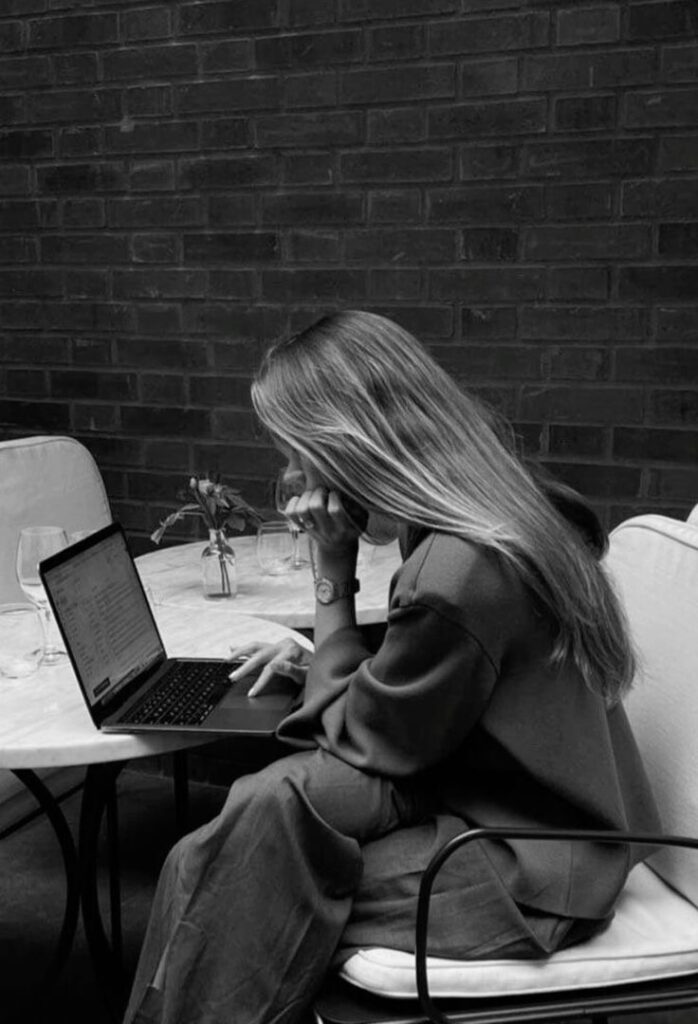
(218, 573)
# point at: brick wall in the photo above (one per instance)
(516, 182)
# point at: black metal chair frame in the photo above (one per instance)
(594, 1004)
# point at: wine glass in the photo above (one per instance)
(35, 544)
(291, 484)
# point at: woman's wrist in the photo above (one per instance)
(337, 564)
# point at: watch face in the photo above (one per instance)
(324, 591)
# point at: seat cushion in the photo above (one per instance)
(654, 934)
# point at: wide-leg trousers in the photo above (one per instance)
(307, 858)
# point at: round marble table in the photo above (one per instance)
(44, 723)
(173, 577)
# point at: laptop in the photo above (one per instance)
(128, 682)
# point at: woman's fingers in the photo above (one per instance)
(278, 667)
(254, 656)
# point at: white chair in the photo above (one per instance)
(693, 516)
(45, 481)
(648, 957)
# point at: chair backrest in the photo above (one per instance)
(45, 481)
(693, 516)
(653, 561)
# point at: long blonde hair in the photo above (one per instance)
(382, 422)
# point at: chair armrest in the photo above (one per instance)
(441, 856)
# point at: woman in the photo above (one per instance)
(493, 699)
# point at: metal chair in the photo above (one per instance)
(647, 959)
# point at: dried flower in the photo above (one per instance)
(221, 508)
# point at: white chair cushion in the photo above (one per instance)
(693, 515)
(653, 561)
(654, 934)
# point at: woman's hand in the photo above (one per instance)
(322, 515)
(284, 658)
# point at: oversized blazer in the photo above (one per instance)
(462, 695)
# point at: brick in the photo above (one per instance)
(478, 162)
(676, 484)
(219, 390)
(588, 25)
(343, 128)
(25, 383)
(661, 20)
(154, 486)
(155, 248)
(98, 248)
(607, 405)
(308, 49)
(585, 242)
(396, 125)
(653, 109)
(150, 62)
(227, 172)
(304, 208)
(159, 284)
(238, 247)
(313, 246)
(29, 282)
(387, 85)
(207, 18)
(152, 137)
(253, 93)
(572, 362)
(97, 177)
(182, 211)
(236, 425)
(488, 77)
(302, 285)
(162, 353)
(485, 205)
(474, 363)
(75, 68)
(657, 283)
(119, 451)
(35, 349)
(579, 202)
(12, 109)
(395, 284)
(163, 389)
(585, 113)
(662, 199)
(311, 12)
(88, 316)
(24, 72)
(37, 417)
(17, 249)
(679, 324)
(578, 284)
(151, 23)
(394, 206)
(401, 246)
(490, 245)
(396, 42)
(152, 176)
(656, 445)
(248, 328)
(397, 165)
(79, 105)
(599, 481)
(577, 440)
(583, 323)
(679, 63)
(166, 454)
(678, 153)
(604, 68)
(23, 316)
(668, 365)
(366, 10)
(468, 120)
(91, 351)
(316, 89)
(425, 320)
(148, 101)
(80, 30)
(308, 168)
(159, 318)
(237, 461)
(80, 142)
(232, 321)
(25, 143)
(232, 284)
(231, 55)
(93, 384)
(678, 241)
(11, 36)
(83, 213)
(225, 133)
(165, 421)
(500, 284)
(233, 210)
(673, 407)
(14, 179)
(494, 323)
(612, 158)
(495, 33)
(85, 284)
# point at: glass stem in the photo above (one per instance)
(296, 555)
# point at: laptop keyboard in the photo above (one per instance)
(186, 695)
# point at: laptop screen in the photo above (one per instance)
(103, 613)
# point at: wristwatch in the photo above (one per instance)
(327, 591)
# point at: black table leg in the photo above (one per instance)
(49, 805)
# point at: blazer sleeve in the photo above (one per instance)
(403, 709)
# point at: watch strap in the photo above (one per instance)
(327, 590)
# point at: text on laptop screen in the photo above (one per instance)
(104, 616)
